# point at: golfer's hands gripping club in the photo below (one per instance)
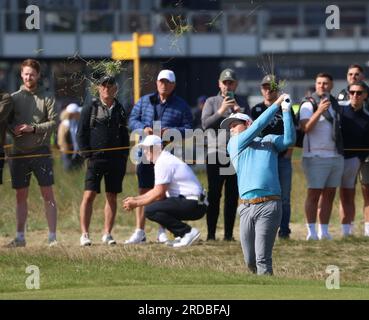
(286, 103)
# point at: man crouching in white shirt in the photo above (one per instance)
(177, 195)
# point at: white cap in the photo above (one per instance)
(167, 74)
(73, 108)
(150, 140)
(234, 117)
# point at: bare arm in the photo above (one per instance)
(308, 124)
(155, 194)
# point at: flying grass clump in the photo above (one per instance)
(99, 68)
(277, 85)
(178, 27)
(267, 68)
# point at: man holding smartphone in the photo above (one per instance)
(219, 169)
(322, 158)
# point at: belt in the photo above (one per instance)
(192, 197)
(201, 199)
(260, 200)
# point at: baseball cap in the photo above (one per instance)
(73, 108)
(106, 79)
(151, 140)
(167, 74)
(268, 79)
(228, 74)
(234, 117)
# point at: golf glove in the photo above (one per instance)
(286, 104)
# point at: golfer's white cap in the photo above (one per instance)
(167, 74)
(234, 117)
(150, 140)
(73, 108)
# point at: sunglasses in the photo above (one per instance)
(358, 93)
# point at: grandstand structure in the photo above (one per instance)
(196, 38)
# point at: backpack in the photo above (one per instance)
(94, 110)
(299, 132)
(336, 123)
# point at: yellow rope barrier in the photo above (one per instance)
(113, 149)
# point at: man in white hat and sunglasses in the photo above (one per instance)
(177, 194)
(255, 160)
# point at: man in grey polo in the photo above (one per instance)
(218, 168)
(255, 160)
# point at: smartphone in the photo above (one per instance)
(230, 94)
(325, 96)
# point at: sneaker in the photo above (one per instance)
(137, 237)
(170, 243)
(108, 239)
(284, 236)
(15, 243)
(312, 237)
(53, 243)
(85, 240)
(325, 236)
(52, 240)
(210, 238)
(188, 239)
(162, 236)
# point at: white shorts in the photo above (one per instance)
(322, 172)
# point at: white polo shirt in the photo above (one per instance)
(319, 141)
(178, 175)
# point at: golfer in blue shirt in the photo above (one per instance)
(255, 160)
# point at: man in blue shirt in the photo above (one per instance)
(171, 112)
(255, 160)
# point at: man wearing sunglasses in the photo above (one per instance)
(355, 131)
(355, 73)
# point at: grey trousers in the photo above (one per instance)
(259, 224)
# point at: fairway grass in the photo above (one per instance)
(153, 271)
(195, 292)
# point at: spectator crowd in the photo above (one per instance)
(252, 163)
